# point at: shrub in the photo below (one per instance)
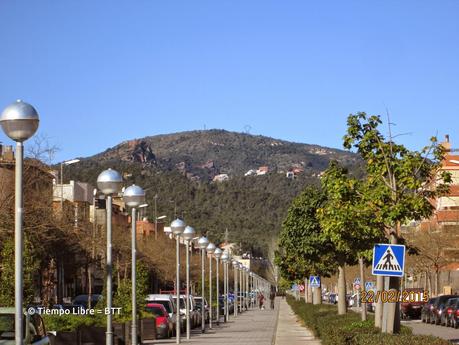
(348, 329)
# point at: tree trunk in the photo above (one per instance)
(362, 288)
(309, 293)
(379, 305)
(341, 291)
(317, 295)
(306, 290)
(393, 309)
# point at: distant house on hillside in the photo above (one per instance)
(262, 170)
(221, 178)
(251, 172)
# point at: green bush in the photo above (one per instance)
(348, 329)
(67, 323)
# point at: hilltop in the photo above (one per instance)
(179, 168)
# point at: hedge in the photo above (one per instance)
(348, 329)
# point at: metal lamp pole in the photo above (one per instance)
(218, 253)
(235, 267)
(133, 197)
(202, 243)
(225, 258)
(210, 250)
(19, 121)
(188, 235)
(109, 182)
(177, 227)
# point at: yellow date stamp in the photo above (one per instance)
(393, 296)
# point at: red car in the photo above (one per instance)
(164, 325)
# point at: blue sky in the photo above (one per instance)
(101, 72)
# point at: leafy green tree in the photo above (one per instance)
(7, 273)
(345, 223)
(399, 182)
(303, 250)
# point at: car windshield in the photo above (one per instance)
(156, 311)
(166, 305)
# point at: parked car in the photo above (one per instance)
(164, 325)
(83, 300)
(168, 302)
(198, 300)
(412, 309)
(426, 310)
(446, 315)
(33, 328)
(454, 316)
(438, 308)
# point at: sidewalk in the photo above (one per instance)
(290, 330)
(252, 327)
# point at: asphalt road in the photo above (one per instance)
(421, 328)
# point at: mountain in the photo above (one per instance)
(201, 155)
(179, 169)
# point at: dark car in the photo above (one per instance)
(438, 308)
(83, 300)
(446, 315)
(164, 324)
(426, 310)
(412, 306)
(454, 315)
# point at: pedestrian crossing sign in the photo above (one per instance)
(388, 260)
(314, 281)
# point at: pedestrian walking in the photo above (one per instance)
(261, 299)
(272, 297)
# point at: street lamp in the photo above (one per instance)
(225, 258)
(218, 253)
(235, 267)
(133, 197)
(109, 182)
(202, 243)
(177, 227)
(210, 250)
(188, 235)
(19, 121)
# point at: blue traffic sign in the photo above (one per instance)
(369, 286)
(357, 281)
(388, 260)
(314, 281)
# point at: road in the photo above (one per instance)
(421, 328)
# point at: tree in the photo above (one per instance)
(399, 183)
(303, 250)
(345, 223)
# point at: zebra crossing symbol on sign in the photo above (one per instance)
(388, 260)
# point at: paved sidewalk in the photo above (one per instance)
(252, 327)
(290, 331)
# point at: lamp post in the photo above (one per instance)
(225, 258)
(210, 250)
(188, 235)
(177, 227)
(235, 267)
(241, 289)
(19, 121)
(218, 253)
(109, 182)
(133, 197)
(202, 243)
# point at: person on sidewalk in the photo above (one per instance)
(272, 297)
(261, 299)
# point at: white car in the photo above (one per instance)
(168, 302)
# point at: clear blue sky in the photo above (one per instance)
(101, 72)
